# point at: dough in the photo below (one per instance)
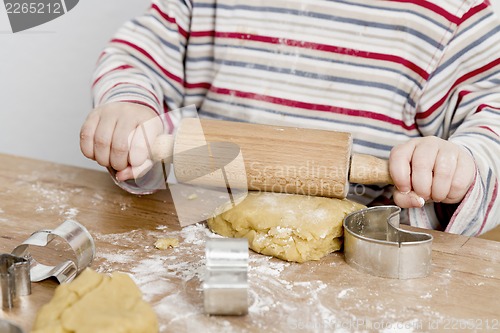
(166, 243)
(288, 226)
(97, 303)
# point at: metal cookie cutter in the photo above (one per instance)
(225, 287)
(78, 238)
(374, 243)
(14, 279)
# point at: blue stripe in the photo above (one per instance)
(472, 26)
(328, 78)
(130, 92)
(332, 18)
(397, 10)
(258, 108)
(464, 134)
(481, 210)
(329, 60)
(466, 50)
(371, 144)
(163, 41)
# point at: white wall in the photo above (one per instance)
(45, 77)
(45, 74)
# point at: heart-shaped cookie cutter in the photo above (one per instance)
(80, 242)
(374, 243)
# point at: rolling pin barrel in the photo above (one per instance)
(275, 158)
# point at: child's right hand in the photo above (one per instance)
(113, 137)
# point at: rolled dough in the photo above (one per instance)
(97, 303)
(287, 226)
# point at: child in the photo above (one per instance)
(417, 82)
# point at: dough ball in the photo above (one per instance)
(97, 303)
(288, 226)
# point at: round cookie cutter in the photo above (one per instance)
(374, 243)
(80, 242)
(225, 286)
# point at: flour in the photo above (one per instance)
(300, 295)
(344, 293)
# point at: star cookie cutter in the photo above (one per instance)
(374, 243)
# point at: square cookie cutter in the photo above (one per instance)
(225, 286)
(374, 243)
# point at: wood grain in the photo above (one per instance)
(462, 289)
(276, 158)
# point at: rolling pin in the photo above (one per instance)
(275, 158)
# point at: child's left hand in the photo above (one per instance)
(432, 169)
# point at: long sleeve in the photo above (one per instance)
(461, 103)
(144, 62)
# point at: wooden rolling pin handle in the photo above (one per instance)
(368, 170)
(162, 148)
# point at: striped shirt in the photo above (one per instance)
(385, 71)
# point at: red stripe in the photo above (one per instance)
(490, 205)
(436, 9)
(170, 19)
(489, 129)
(473, 11)
(204, 85)
(111, 70)
(326, 48)
(459, 81)
(209, 33)
(461, 95)
(147, 55)
(140, 103)
(482, 106)
(311, 106)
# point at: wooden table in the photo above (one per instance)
(463, 290)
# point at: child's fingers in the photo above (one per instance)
(125, 174)
(444, 169)
(422, 164)
(462, 178)
(120, 144)
(399, 165)
(408, 200)
(102, 140)
(143, 140)
(87, 133)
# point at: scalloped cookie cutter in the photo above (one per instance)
(80, 242)
(374, 243)
(225, 287)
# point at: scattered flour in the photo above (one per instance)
(298, 295)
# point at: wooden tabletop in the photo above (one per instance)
(462, 292)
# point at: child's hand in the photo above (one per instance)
(112, 136)
(432, 169)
